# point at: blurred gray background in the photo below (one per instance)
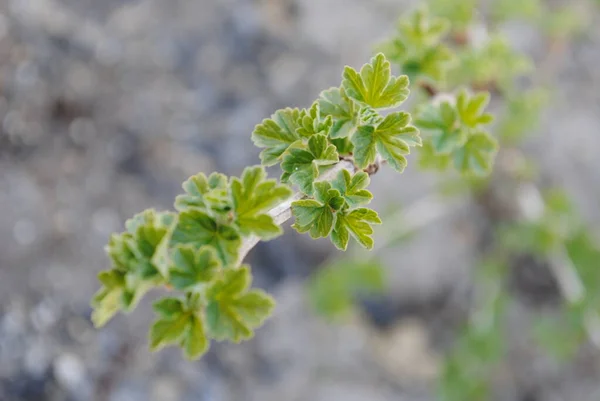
(106, 106)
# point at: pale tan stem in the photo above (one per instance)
(283, 212)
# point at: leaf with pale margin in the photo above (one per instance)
(357, 224)
(391, 138)
(233, 311)
(276, 134)
(193, 267)
(178, 324)
(138, 264)
(374, 85)
(204, 193)
(317, 216)
(313, 121)
(107, 300)
(352, 188)
(477, 155)
(197, 228)
(337, 105)
(302, 166)
(253, 196)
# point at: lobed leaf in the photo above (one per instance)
(233, 311)
(391, 138)
(253, 196)
(352, 188)
(196, 228)
(193, 266)
(335, 104)
(276, 134)
(477, 155)
(204, 193)
(375, 86)
(317, 216)
(356, 224)
(302, 166)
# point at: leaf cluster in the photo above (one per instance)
(455, 133)
(195, 252)
(344, 123)
(418, 47)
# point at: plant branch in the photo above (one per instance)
(283, 212)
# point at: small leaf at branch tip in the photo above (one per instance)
(375, 86)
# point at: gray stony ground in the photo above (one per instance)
(107, 106)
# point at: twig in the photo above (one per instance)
(283, 212)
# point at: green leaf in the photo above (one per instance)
(178, 324)
(417, 47)
(197, 228)
(429, 159)
(391, 138)
(253, 196)
(194, 342)
(344, 146)
(442, 124)
(352, 188)
(203, 193)
(312, 122)
(107, 300)
(470, 109)
(317, 216)
(336, 104)
(233, 311)
(356, 223)
(169, 308)
(138, 264)
(193, 267)
(276, 134)
(374, 85)
(477, 155)
(302, 166)
(168, 331)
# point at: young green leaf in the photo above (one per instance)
(391, 138)
(352, 188)
(356, 223)
(253, 195)
(441, 122)
(204, 193)
(197, 228)
(302, 166)
(233, 311)
(470, 109)
(477, 155)
(168, 331)
(429, 159)
(312, 122)
(374, 85)
(276, 134)
(193, 267)
(168, 308)
(341, 109)
(179, 323)
(317, 216)
(418, 49)
(194, 341)
(107, 300)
